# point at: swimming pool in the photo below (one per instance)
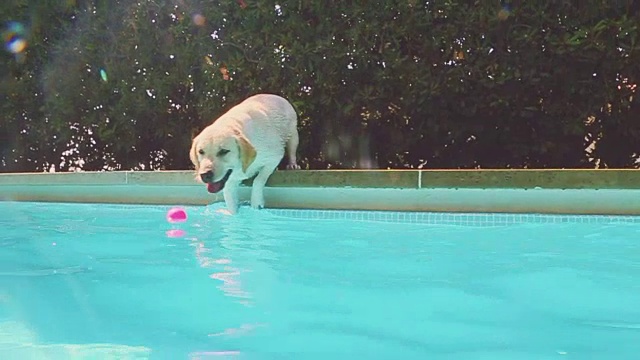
(284, 284)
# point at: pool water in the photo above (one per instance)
(106, 282)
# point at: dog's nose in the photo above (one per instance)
(207, 177)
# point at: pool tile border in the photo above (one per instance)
(455, 219)
(419, 218)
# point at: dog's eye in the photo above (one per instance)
(223, 152)
(201, 152)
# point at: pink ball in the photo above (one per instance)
(176, 215)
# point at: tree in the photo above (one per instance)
(126, 85)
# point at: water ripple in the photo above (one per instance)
(47, 272)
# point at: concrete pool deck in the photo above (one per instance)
(603, 192)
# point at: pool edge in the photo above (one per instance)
(553, 191)
(497, 200)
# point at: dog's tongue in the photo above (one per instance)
(213, 187)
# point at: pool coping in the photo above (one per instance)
(557, 191)
(411, 179)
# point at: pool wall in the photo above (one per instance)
(606, 192)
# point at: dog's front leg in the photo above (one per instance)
(257, 188)
(230, 193)
(257, 196)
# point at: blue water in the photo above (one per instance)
(106, 282)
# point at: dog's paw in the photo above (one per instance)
(257, 206)
(293, 166)
(257, 199)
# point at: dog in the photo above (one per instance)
(248, 140)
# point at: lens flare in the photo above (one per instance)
(13, 36)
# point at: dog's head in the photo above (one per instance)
(217, 155)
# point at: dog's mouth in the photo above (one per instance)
(214, 187)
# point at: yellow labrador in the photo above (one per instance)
(249, 139)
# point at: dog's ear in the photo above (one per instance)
(194, 156)
(247, 152)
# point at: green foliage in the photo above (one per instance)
(377, 84)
